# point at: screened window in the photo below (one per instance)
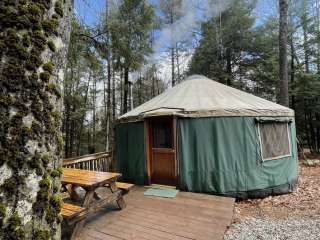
(274, 140)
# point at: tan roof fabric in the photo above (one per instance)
(199, 96)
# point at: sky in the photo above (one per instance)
(90, 11)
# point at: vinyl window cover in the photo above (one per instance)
(274, 140)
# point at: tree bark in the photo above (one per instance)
(173, 80)
(94, 100)
(292, 70)
(126, 90)
(83, 117)
(33, 60)
(113, 96)
(283, 97)
(229, 66)
(178, 63)
(305, 41)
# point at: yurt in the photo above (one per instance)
(203, 136)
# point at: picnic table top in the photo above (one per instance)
(86, 178)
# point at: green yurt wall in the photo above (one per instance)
(222, 155)
(130, 151)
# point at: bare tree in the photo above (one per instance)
(283, 97)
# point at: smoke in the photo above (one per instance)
(192, 12)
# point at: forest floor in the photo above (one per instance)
(290, 216)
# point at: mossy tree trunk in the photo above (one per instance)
(34, 37)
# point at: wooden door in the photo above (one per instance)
(162, 151)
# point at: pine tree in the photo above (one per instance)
(130, 30)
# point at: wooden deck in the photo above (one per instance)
(188, 216)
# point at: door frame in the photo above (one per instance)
(148, 144)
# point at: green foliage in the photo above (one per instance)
(130, 30)
(221, 47)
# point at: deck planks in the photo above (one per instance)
(188, 216)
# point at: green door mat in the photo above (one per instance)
(161, 192)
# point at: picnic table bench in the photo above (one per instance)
(89, 181)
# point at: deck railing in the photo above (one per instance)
(101, 161)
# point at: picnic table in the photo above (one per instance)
(90, 181)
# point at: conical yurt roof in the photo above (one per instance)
(199, 96)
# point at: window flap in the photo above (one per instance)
(273, 119)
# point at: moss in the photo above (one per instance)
(35, 163)
(45, 3)
(56, 203)
(19, 234)
(14, 228)
(19, 51)
(51, 46)
(42, 235)
(54, 209)
(45, 76)
(34, 77)
(36, 128)
(54, 89)
(36, 108)
(48, 67)
(14, 221)
(45, 159)
(3, 213)
(39, 39)
(34, 60)
(56, 188)
(12, 38)
(9, 186)
(57, 116)
(43, 195)
(2, 45)
(45, 183)
(26, 41)
(23, 22)
(50, 26)
(55, 16)
(60, 141)
(58, 8)
(35, 10)
(57, 172)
